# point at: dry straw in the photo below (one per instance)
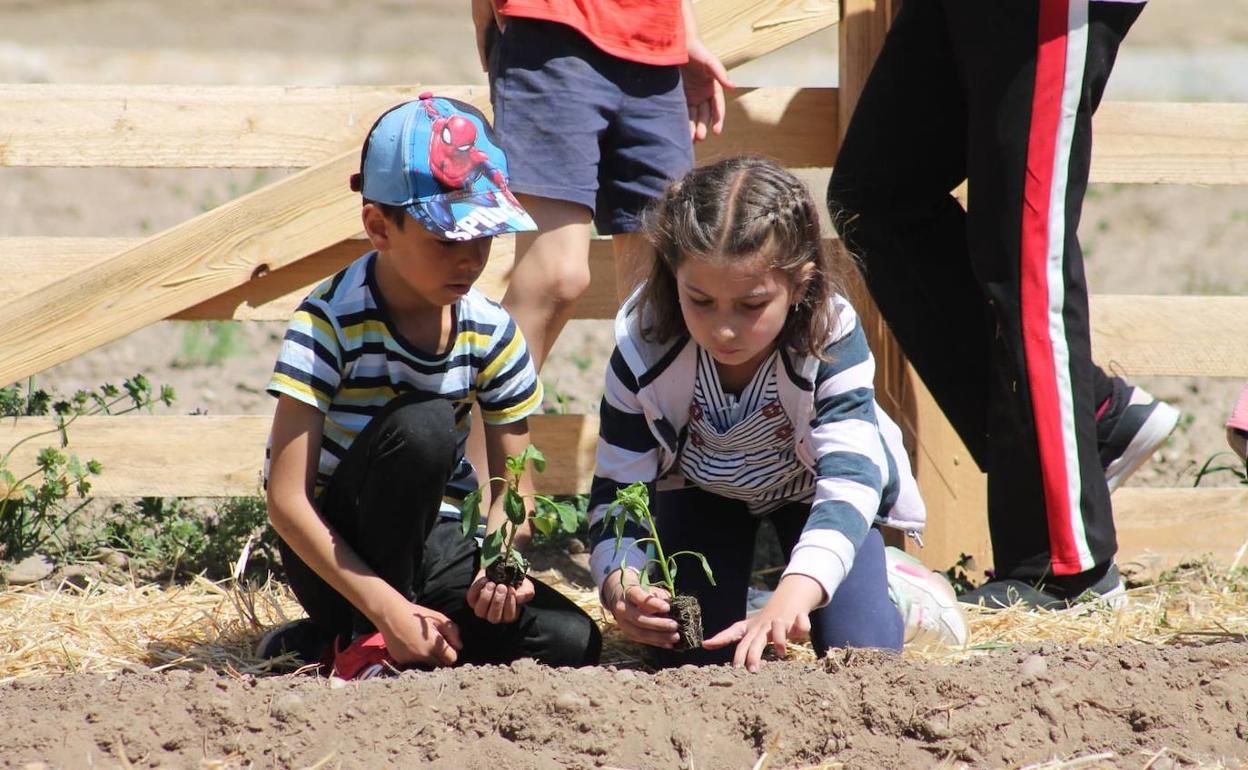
(102, 627)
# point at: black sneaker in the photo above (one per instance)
(295, 645)
(1099, 584)
(1131, 428)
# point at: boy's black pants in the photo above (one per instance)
(383, 501)
(990, 304)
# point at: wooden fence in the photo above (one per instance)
(254, 257)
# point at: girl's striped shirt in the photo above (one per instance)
(342, 355)
(743, 447)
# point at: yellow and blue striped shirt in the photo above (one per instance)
(342, 355)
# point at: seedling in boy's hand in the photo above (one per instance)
(633, 502)
(502, 562)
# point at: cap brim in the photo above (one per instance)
(469, 215)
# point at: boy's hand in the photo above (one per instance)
(416, 634)
(640, 613)
(485, 16)
(786, 615)
(496, 602)
(704, 79)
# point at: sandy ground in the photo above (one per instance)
(1126, 707)
(1150, 707)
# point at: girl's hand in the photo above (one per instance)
(496, 602)
(640, 613)
(417, 634)
(786, 615)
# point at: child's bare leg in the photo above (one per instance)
(633, 254)
(551, 273)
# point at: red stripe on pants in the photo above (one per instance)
(1034, 280)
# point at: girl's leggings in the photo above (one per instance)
(859, 615)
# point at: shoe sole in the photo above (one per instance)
(1160, 424)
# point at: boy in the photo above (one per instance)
(375, 379)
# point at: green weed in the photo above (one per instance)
(36, 510)
(209, 343)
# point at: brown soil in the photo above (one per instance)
(688, 614)
(860, 710)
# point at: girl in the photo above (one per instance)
(741, 386)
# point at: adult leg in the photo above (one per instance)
(860, 614)
(890, 198)
(382, 501)
(551, 273)
(550, 107)
(1029, 103)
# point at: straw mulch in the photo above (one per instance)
(104, 627)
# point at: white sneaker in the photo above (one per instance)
(926, 602)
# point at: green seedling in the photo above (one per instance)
(502, 562)
(1234, 466)
(633, 503)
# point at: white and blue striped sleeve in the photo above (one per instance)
(853, 470)
(627, 452)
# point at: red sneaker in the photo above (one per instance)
(364, 658)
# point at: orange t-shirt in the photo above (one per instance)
(645, 31)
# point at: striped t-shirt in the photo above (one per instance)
(743, 447)
(342, 355)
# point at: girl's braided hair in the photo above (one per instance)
(742, 208)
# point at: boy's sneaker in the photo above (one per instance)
(296, 644)
(1099, 584)
(1131, 426)
(926, 601)
(364, 658)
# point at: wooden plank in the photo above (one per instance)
(218, 456)
(1173, 335)
(864, 25)
(1161, 528)
(196, 260)
(157, 456)
(271, 126)
(742, 30)
(1138, 335)
(193, 126)
(1170, 143)
(29, 264)
(222, 455)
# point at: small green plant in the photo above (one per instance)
(633, 503)
(167, 538)
(502, 562)
(209, 343)
(582, 361)
(958, 574)
(1236, 467)
(562, 401)
(34, 509)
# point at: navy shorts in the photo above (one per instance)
(581, 125)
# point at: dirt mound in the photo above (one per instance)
(859, 709)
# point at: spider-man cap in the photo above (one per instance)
(439, 158)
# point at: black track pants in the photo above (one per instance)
(990, 304)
